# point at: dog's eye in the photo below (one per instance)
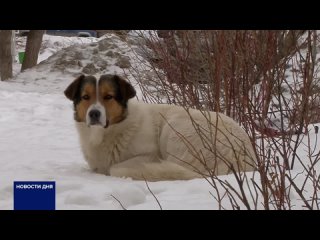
(85, 97)
(107, 97)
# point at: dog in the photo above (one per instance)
(123, 137)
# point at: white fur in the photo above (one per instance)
(144, 145)
(97, 106)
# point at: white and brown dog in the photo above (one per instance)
(127, 138)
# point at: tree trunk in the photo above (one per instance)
(5, 55)
(33, 45)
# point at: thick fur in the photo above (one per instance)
(160, 142)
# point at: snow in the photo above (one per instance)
(39, 142)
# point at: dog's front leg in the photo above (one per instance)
(151, 169)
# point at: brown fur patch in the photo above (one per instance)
(114, 110)
(88, 89)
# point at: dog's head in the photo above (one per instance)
(100, 102)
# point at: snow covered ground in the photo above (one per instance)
(39, 142)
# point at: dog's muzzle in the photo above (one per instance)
(96, 116)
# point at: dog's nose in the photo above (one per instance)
(94, 115)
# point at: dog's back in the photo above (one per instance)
(205, 140)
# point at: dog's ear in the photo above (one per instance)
(126, 89)
(73, 88)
